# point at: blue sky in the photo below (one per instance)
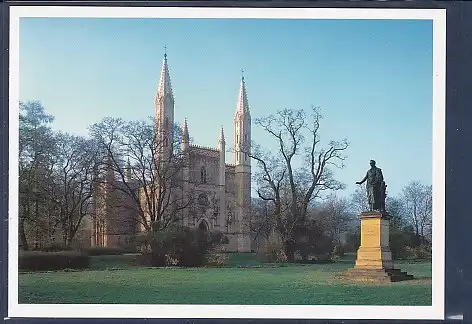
(371, 78)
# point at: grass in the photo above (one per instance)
(293, 284)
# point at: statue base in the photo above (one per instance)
(374, 258)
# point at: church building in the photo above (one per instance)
(223, 198)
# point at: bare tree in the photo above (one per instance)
(36, 152)
(336, 217)
(260, 222)
(291, 190)
(417, 199)
(395, 208)
(75, 178)
(359, 202)
(152, 183)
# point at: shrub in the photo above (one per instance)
(398, 244)
(422, 252)
(188, 246)
(276, 253)
(312, 240)
(43, 261)
(95, 251)
(171, 260)
(338, 251)
(304, 249)
(216, 256)
(281, 257)
(405, 244)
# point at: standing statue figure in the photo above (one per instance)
(376, 188)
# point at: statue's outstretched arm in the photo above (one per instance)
(363, 180)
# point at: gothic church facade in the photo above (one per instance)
(223, 198)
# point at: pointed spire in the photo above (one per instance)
(222, 135)
(185, 135)
(243, 105)
(165, 86)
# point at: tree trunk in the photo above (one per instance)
(71, 236)
(36, 217)
(289, 248)
(65, 239)
(422, 240)
(23, 240)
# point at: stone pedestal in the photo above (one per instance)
(374, 258)
(374, 251)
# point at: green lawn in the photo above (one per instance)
(290, 284)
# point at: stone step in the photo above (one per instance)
(376, 275)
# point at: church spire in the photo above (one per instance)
(164, 113)
(243, 106)
(222, 136)
(165, 87)
(222, 166)
(185, 136)
(242, 126)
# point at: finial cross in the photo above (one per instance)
(242, 74)
(165, 50)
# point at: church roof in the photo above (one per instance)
(205, 151)
(165, 86)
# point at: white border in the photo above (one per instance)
(436, 311)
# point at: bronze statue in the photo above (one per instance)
(376, 188)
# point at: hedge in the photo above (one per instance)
(95, 251)
(43, 261)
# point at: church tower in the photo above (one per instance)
(185, 147)
(103, 204)
(242, 146)
(164, 112)
(222, 177)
